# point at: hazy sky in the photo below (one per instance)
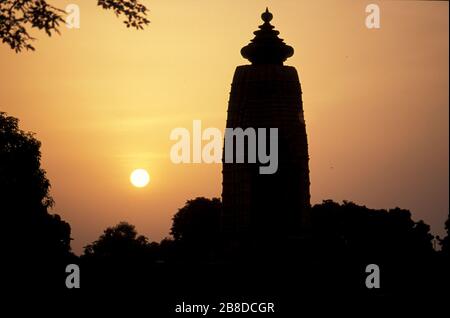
(103, 100)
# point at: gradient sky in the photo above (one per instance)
(103, 100)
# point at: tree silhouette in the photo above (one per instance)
(195, 227)
(167, 250)
(121, 242)
(25, 191)
(445, 242)
(16, 16)
(350, 229)
(20, 166)
(33, 235)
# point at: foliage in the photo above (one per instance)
(20, 165)
(195, 229)
(119, 242)
(18, 16)
(445, 242)
(25, 195)
(358, 231)
(197, 220)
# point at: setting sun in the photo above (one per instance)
(139, 178)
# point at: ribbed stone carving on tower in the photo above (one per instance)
(266, 94)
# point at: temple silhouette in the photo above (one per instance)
(259, 208)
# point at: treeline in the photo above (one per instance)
(39, 240)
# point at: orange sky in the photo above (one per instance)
(103, 100)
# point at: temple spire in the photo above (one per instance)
(266, 47)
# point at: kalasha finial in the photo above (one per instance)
(266, 47)
(267, 16)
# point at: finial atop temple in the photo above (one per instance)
(267, 16)
(267, 47)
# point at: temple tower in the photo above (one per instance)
(258, 208)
